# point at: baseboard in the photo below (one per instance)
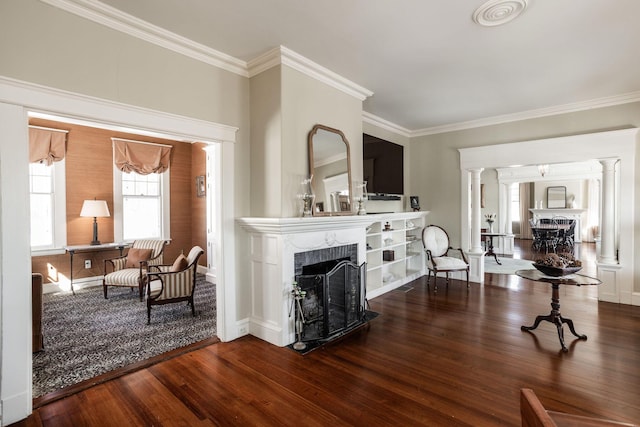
(85, 282)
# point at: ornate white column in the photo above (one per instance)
(476, 246)
(607, 230)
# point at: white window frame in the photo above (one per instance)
(165, 191)
(59, 211)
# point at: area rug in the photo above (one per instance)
(509, 265)
(86, 335)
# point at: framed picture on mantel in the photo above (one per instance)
(556, 197)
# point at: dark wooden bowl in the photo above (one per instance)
(555, 271)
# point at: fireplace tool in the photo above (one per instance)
(298, 295)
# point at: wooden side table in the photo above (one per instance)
(555, 317)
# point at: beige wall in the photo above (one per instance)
(285, 105)
(435, 171)
(305, 103)
(266, 143)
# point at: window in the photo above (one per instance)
(515, 202)
(48, 206)
(141, 205)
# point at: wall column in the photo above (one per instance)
(607, 230)
(476, 246)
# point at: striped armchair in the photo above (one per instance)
(173, 283)
(117, 273)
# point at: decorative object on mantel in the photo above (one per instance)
(490, 219)
(95, 208)
(307, 196)
(360, 195)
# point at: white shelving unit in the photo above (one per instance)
(399, 234)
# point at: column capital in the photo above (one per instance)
(475, 170)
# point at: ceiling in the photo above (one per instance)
(429, 65)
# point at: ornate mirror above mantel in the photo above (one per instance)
(330, 167)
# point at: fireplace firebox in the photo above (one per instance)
(333, 298)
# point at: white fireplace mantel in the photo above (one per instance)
(273, 245)
(304, 224)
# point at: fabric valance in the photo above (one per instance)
(140, 157)
(46, 145)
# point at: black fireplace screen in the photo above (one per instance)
(334, 297)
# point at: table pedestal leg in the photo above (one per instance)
(556, 318)
(490, 252)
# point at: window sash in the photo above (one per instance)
(48, 214)
(127, 189)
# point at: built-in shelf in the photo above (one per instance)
(404, 237)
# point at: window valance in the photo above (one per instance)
(46, 145)
(140, 157)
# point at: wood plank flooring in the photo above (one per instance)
(455, 358)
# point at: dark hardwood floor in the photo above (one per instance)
(455, 358)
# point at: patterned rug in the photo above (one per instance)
(86, 335)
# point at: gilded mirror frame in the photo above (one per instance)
(344, 209)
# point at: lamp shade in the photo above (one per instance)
(95, 208)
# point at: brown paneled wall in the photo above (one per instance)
(89, 174)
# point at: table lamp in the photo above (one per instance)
(95, 209)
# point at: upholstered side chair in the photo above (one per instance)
(130, 270)
(436, 244)
(173, 283)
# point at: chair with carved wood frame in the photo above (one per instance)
(168, 284)
(436, 244)
(118, 273)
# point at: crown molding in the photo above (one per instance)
(285, 56)
(113, 18)
(385, 124)
(607, 101)
(43, 101)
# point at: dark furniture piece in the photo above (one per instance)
(533, 414)
(168, 284)
(435, 241)
(37, 341)
(555, 317)
(488, 237)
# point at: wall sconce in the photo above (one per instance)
(543, 169)
(95, 209)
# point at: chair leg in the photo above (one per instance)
(148, 313)
(104, 290)
(193, 306)
(467, 279)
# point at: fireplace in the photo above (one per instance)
(278, 249)
(333, 298)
